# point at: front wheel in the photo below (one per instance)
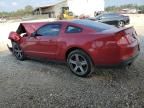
(80, 63)
(17, 51)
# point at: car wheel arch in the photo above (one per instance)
(14, 41)
(77, 48)
(122, 21)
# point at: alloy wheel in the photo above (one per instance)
(18, 52)
(78, 64)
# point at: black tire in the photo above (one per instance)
(120, 24)
(17, 51)
(80, 63)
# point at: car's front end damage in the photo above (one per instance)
(24, 29)
(13, 37)
(9, 47)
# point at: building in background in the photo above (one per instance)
(78, 7)
(52, 10)
(86, 7)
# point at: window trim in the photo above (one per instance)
(75, 27)
(50, 24)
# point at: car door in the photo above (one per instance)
(44, 43)
(48, 40)
(105, 18)
(30, 46)
(114, 18)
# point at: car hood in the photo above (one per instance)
(29, 27)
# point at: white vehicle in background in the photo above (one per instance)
(3, 20)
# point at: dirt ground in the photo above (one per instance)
(37, 84)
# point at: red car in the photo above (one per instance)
(83, 44)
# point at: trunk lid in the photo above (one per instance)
(127, 32)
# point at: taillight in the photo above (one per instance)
(130, 38)
(121, 39)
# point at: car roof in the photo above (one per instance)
(109, 14)
(31, 27)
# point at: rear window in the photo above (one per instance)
(94, 25)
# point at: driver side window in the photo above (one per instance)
(49, 30)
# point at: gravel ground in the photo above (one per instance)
(37, 84)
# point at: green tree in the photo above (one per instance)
(130, 6)
(141, 8)
(28, 9)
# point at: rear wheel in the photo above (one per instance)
(17, 51)
(80, 63)
(120, 24)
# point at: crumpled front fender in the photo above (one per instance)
(14, 36)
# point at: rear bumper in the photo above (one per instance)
(123, 63)
(127, 62)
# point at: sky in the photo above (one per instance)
(12, 5)
(121, 2)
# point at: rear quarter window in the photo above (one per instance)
(73, 29)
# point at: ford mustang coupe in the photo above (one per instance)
(82, 44)
(115, 19)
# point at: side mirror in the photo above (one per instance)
(33, 34)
